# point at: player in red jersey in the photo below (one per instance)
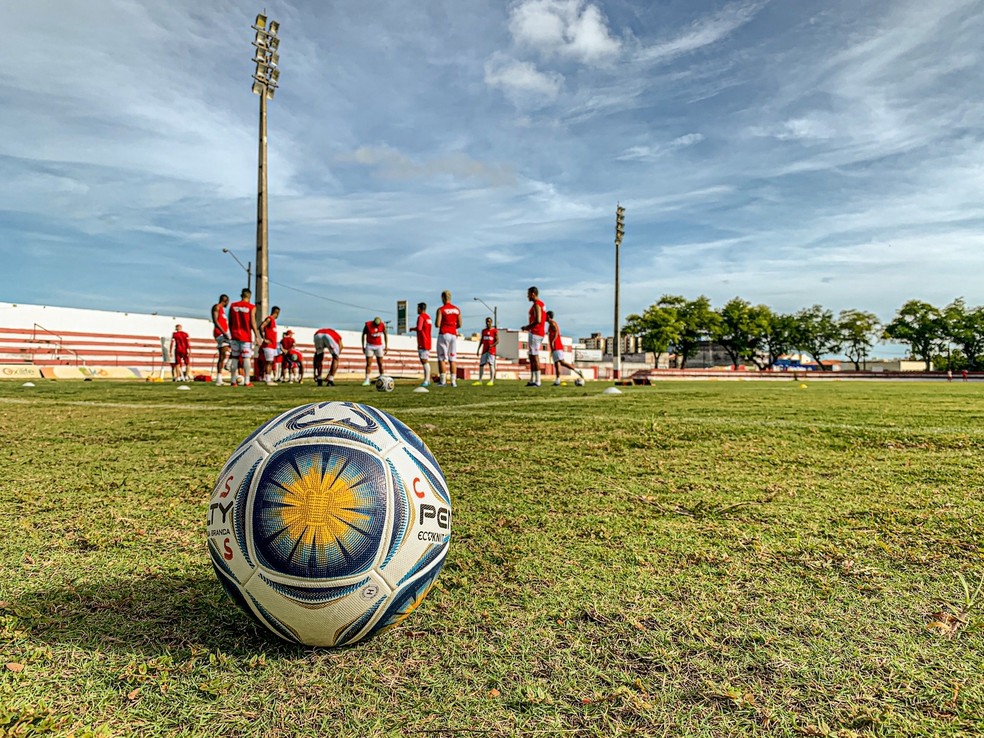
(536, 329)
(557, 349)
(180, 348)
(423, 331)
(486, 350)
(292, 366)
(325, 339)
(268, 355)
(375, 341)
(220, 331)
(448, 323)
(243, 328)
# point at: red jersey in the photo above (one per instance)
(241, 321)
(538, 329)
(374, 333)
(270, 334)
(287, 343)
(221, 320)
(331, 334)
(181, 342)
(448, 317)
(488, 340)
(556, 342)
(423, 332)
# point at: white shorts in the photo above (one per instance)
(447, 347)
(557, 355)
(487, 358)
(242, 349)
(221, 341)
(323, 341)
(424, 354)
(535, 343)
(376, 351)
(270, 354)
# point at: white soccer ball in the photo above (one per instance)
(579, 382)
(329, 523)
(384, 383)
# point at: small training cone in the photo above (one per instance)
(612, 391)
(421, 389)
(184, 387)
(28, 384)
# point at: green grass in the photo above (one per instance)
(706, 559)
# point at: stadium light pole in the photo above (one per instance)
(617, 352)
(248, 268)
(265, 81)
(493, 310)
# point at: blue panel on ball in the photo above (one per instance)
(323, 434)
(413, 440)
(239, 516)
(315, 596)
(436, 480)
(432, 554)
(319, 511)
(401, 515)
(405, 602)
(346, 635)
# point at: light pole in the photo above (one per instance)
(248, 268)
(265, 82)
(617, 352)
(493, 310)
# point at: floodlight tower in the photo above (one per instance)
(265, 82)
(617, 348)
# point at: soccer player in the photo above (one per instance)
(557, 349)
(243, 328)
(375, 341)
(486, 350)
(448, 323)
(326, 339)
(536, 329)
(423, 331)
(180, 347)
(268, 355)
(291, 361)
(220, 331)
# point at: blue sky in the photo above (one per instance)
(789, 153)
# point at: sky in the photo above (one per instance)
(818, 152)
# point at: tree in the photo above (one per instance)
(859, 330)
(965, 327)
(742, 329)
(699, 324)
(780, 337)
(920, 325)
(659, 326)
(817, 333)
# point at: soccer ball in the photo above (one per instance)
(579, 382)
(384, 383)
(329, 523)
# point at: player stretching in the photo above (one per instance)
(180, 346)
(268, 355)
(448, 323)
(423, 330)
(375, 341)
(291, 361)
(220, 331)
(326, 339)
(243, 328)
(557, 349)
(486, 350)
(536, 330)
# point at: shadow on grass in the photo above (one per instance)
(152, 615)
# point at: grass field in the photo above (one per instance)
(705, 559)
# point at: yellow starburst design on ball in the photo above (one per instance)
(320, 509)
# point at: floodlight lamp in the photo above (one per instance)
(274, 27)
(274, 75)
(260, 42)
(258, 87)
(269, 92)
(273, 59)
(260, 21)
(273, 42)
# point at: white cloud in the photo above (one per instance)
(522, 82)
(649, 153)
(394, 164)
(569, 28)
(703, 32)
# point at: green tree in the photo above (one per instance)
(859, 331)
(659, 326)
(921, 326)
(817, 333)
(780, 337)
(699, 324)
(742, 329)
(965, 328)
